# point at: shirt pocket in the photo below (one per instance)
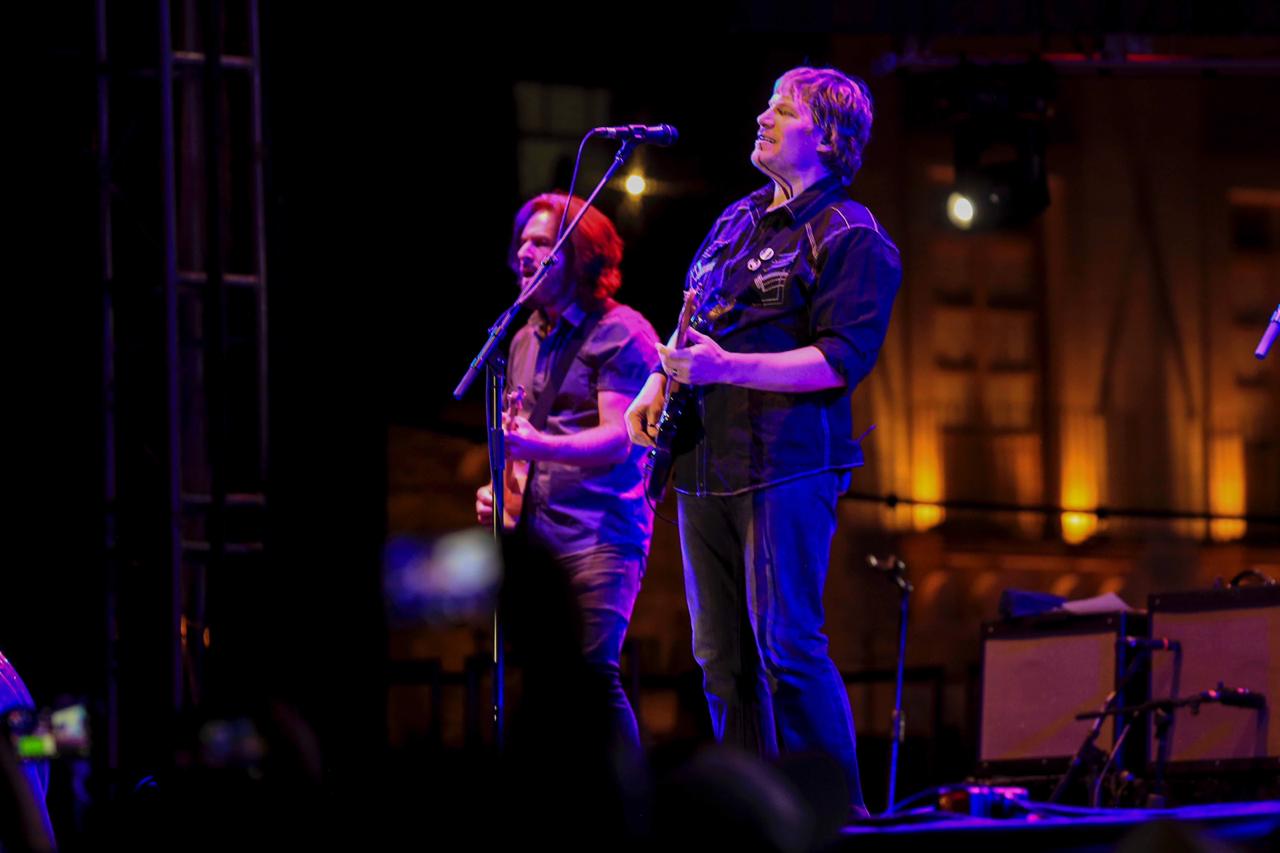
(707, 263)
(769, 283)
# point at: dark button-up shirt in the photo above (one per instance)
(818, 271)
(570, 509)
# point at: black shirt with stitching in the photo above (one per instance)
(817, 271)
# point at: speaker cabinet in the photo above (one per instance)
(1229, 636)
(1037, 674)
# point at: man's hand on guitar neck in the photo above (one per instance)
(524, 441)
(701, 361)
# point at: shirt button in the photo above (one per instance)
(766, 253)
(753, 264)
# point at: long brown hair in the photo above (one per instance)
(591, 256)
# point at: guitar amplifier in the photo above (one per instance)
(1228, 636)
(1037, 674)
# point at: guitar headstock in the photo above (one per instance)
(693, 297)
(514, 401)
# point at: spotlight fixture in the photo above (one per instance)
(1000, 124)
(960, 211)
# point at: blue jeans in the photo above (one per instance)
(605, 582)
(755, 565)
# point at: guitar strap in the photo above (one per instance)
(560, 369)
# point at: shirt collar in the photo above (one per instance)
(572, 316)
(799, 208)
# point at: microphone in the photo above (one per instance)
(658, 134)
(894, 568)
(1269, 336)
(1237, 697)
(1155, 644)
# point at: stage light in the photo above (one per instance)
(1000, 120)
(960, 210)
(635, 184)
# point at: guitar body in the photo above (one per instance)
(672, 436)
(514, 481)
(515, 477)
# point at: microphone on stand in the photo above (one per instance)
(1155, 644)
(1269, 336)
(894, 568)
(657, 134)
(1236, 697)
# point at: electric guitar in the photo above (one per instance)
(516, 475)
(677, 398)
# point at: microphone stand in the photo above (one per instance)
(1156, 797)
(897, 571)
(1087, 754)
(1164, 732)
(1163, 711)
(490, 359)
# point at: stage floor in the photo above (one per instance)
(1244, 826)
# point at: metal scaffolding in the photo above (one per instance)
(184, 313)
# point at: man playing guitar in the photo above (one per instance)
(580, 359)
(798, 281)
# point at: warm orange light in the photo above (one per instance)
(1083, 457)
(1226, 529)
(926, 478)
(925, 516)
(1078, 526)
(1065, 585)
(1112, 584)
(1226, 486)
(1018, 465)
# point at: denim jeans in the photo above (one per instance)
(755, 565)
(605, 581)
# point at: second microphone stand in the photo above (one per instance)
(897, 572)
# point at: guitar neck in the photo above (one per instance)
(686, 317)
